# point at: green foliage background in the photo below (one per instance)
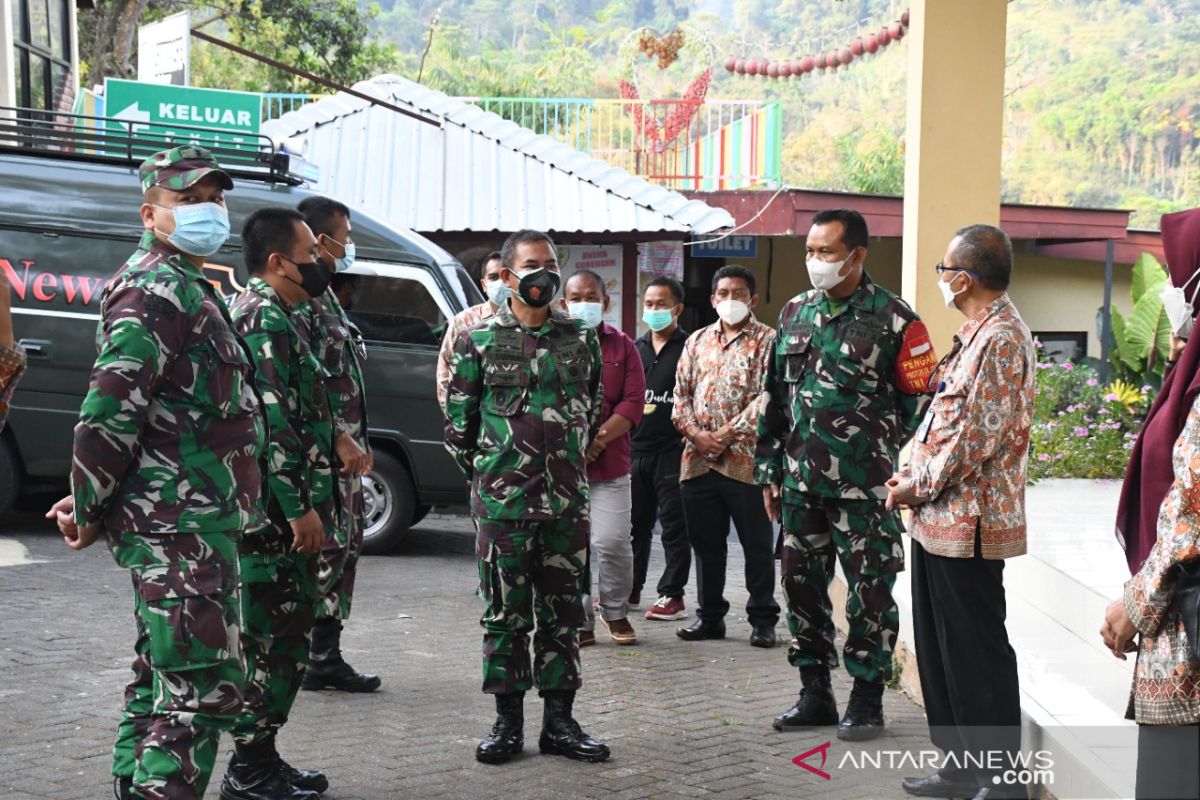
(1101, 105)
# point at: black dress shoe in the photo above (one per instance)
(763, 636)
(937, 785)
(700, 629)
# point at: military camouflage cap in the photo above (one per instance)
(180, 167)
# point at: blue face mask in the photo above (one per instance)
(590, 313)
(497, 292)
(200, 228)
(658, 318)
(345, 262)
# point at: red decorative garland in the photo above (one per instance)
(839, 57)
(677, 121)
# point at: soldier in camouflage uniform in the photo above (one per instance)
(847, 387)
(331, 337)
(166, 463)
(524, 402)
(279, 561)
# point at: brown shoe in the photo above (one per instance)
(587, 638)
(620, 630)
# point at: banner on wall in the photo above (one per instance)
(661, 258)
(604, 260)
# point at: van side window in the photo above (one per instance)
(396, 311)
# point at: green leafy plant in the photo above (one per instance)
(1081, 429)
(1139, 345)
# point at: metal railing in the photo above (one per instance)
(276, 104)
(725, 144)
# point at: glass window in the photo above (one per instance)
(62, 98)
(60, 30)
(21, 70)
(20, 18)
(39, 89)
(39, 23)
(396, 311)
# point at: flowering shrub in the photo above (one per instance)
(1081, 429)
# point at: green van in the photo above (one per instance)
(69, 220)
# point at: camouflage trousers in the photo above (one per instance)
(188, 672)
(279, 597)
(866, 539)
(337, 564)
(531, 569)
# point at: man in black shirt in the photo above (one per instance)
(657, 449)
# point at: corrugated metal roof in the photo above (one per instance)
(475, 171)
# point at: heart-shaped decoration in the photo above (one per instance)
(683, 41)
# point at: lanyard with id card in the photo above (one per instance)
(927, 423)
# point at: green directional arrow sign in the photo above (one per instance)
(163, 110)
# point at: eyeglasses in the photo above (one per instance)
(940, 267)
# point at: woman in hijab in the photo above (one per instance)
(1158, 524)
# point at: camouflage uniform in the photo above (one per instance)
(329, 334)
(522, 407)
(846, 387)
(166, 456)
(279, 587)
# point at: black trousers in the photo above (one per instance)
(655, 489)
(968, 668)
(1168, 763)
(709, 503)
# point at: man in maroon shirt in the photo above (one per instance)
(610, 460)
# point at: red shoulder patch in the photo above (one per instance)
(916, 360)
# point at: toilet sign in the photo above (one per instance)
(159, 110)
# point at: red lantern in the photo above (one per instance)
(872, 44)
(740, 66)
(832, 60)
(845, 56)
(763, 65)
(730, 64)
(896, 31)
(856, 47)
(885, 37)
(751, 67)
(773, 70)
(904, 18)
(807, 64)
(820, 62)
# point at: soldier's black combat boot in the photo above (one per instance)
(864, 713)
(561, 734)
(326, 669)
(122, 787)
(508, 734)
(254, 773)
(816, 705)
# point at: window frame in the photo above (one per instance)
(25, 50)
(376, 269)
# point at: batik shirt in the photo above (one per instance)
(463, 321)
(720, 380)
(967, 468)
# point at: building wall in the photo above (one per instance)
(7, 78)
(1052, 294)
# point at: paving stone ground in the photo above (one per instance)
(683, 719)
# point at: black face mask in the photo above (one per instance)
(314, 276)
(538, 288)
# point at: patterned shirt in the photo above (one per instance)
(1166, 682)
(967, 468)
(463, 321)
(522, 407)
(170, 432)
(721, 381)
(12, 367)
(847, 388)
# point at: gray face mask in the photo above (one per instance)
(1180, 309)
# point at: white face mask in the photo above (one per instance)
(732, 312)
(590, 313)
(948, 294)
(1179, 308)
(497, 291)
(825, 275)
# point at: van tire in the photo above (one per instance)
(419, 514)
(10, 474)
(389, 501)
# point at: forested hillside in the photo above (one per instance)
(1103, 96)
